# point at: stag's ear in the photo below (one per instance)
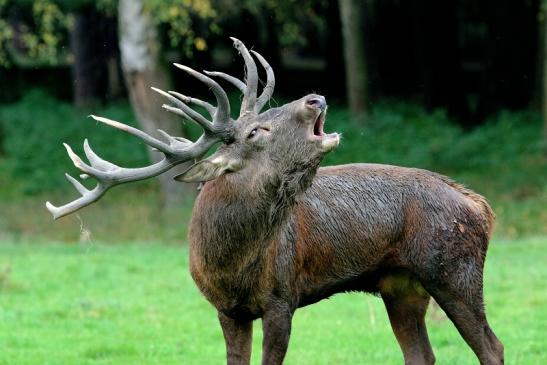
(209, 169)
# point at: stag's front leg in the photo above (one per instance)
(238, 336)
(276, 325)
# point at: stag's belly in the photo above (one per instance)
(347, 234)
(342, 256)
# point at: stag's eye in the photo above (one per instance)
(253, 133)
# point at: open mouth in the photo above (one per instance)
(318, 132)
(328, 141)
(318, 125)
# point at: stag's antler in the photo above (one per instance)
(250, 102)
(176, 150)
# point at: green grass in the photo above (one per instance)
(133, 304)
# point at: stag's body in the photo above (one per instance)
(362, 227)
(271, 232)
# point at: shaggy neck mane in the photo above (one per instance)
(241, 216)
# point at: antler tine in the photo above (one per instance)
(88, 197)
(80, 164)
(78, 185)
(232, 80)
(95, 160)
(251, 79)
(204, 123)
(177, 142)
(186, 112)
(222, 113)
(268, 90)
(187, 99)
(249, 89)
(149, 140)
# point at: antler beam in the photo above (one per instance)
(176, 150)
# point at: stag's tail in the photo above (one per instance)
(486, 209)
(487, 213)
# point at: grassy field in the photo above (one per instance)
(115, 303)
(136, 304)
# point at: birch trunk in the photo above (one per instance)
(140, 50)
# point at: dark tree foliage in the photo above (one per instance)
(470, 57)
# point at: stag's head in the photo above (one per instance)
(281, 139)
(278, 142)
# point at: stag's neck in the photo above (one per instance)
(239, 217)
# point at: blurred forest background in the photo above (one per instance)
(458, 87)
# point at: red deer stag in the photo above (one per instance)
(272, 232)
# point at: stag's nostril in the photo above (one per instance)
(317, 103)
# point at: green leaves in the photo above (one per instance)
(178, 16)
(6, 34)
(35, 33)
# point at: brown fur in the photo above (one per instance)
(402, 233)
(272, 232)
(478, 199)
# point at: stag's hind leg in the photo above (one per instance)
(406, 303)
(469, 318)
(459, 292)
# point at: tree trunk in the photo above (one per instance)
(140, 50)
(85, 68)
(351, 16)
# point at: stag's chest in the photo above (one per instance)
(239, 288)
(232, 251)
